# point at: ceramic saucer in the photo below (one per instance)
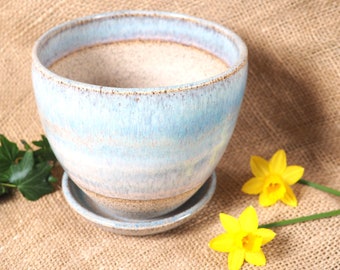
(80, 202)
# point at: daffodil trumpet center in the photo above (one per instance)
(274, 186)
(252, 243)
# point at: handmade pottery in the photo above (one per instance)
(91, 211)
(139, 152)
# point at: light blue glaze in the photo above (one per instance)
(139, 143)
(83, 205)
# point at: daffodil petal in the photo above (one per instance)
(257, 243)
(289, 197)
(254, 185)
(266, 200)
(259, 166)
(255, 258)
(248, 220)
(229, 223)
(267, 235)
(278, 162)
(222, 243)
(236, 259)
(292, 174)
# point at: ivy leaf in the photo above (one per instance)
(3, 190)
(35, 184)
(29, 171)
(21, 170)
(8, 153)
(45, 151)
(52, 179)
(26, 145)
(4, 176)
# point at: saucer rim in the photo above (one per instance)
(139, 227)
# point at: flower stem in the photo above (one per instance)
(301, 219)
(319, 187)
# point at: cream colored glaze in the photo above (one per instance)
(139, 64)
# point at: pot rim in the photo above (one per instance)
(233, 37)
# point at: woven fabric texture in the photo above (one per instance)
(292, 102)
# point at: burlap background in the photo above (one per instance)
(292, 102)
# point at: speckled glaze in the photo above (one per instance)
(88, 209)
(137, 209)
(139, 144)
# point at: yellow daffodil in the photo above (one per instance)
(273, 179)
(243, 239)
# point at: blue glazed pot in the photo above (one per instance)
(139, 152)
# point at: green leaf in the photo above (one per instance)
(36, 184)
(44, 152)
(29, 171)
(8, 153)
(26, 145)
(52, 179)
(4, 176)
(22, 169)
(3, 190)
